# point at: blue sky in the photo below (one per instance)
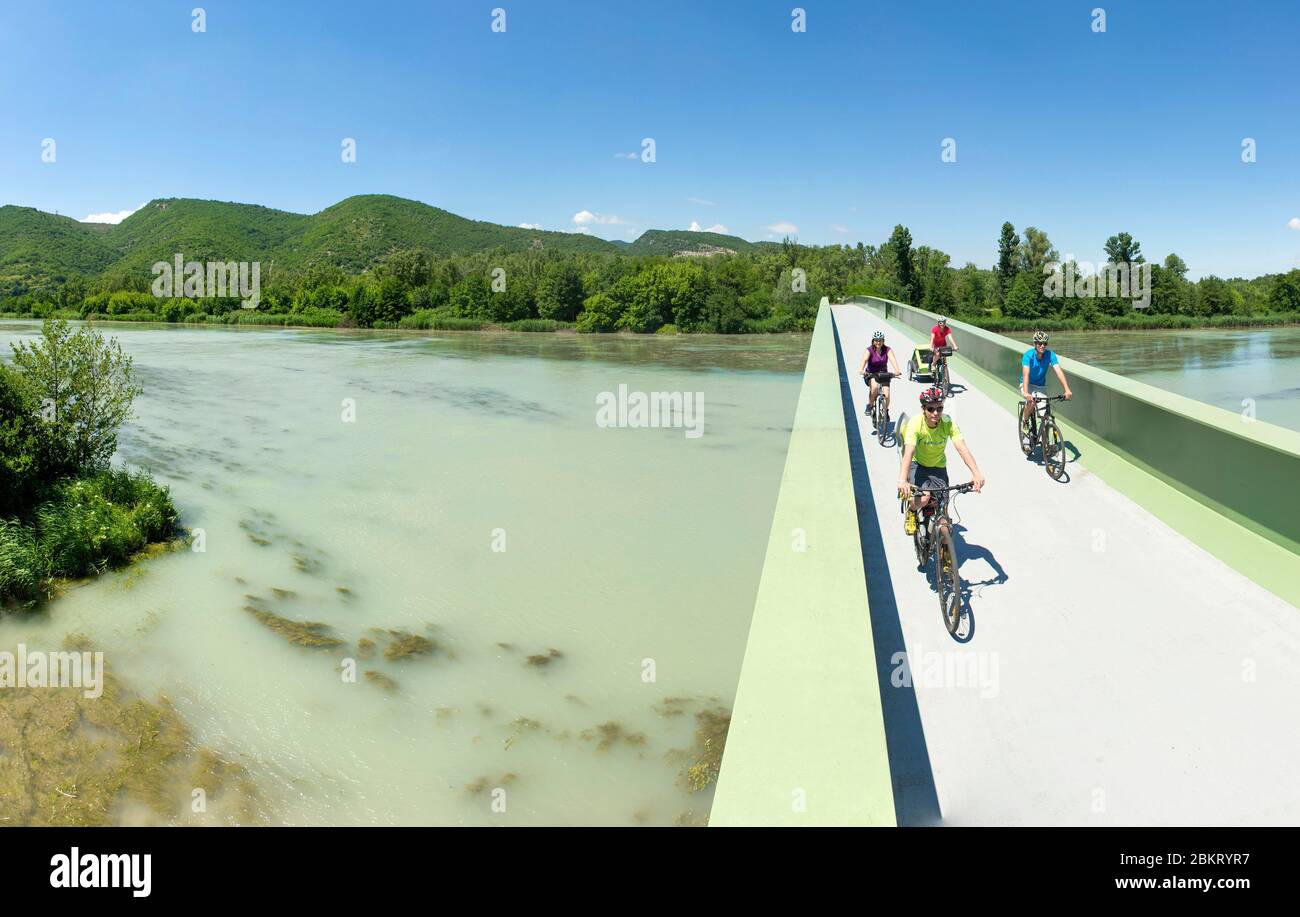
(833, 134)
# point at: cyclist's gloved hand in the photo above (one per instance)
(905, 488)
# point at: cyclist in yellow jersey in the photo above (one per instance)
(925, 441)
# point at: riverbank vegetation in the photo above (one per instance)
(64, 511)
(550, 282)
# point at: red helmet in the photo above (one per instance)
(933, 393)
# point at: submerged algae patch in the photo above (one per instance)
(301, 633)
(483, 783)
(68, 760)
(610, 734)
(403, 645)
(710, 738)
(543, 659)
(381, 680)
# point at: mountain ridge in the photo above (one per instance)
(39, 249)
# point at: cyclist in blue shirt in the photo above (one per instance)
(1033, 372)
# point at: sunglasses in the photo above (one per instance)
(1041, 344)
(933, 408)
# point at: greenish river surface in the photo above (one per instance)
(1224, 367)
(459, 488)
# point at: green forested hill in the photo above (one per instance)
(358, 232)
(40, 250)
(201, 231)
(669, 242)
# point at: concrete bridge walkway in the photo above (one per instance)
(1109, 672)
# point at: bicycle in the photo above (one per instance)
(878, 411)
(1046, 435)
(939, 366)
(933, 539)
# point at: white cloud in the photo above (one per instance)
(716, 227)
(784, 227)
(587, 218)
(625, 156)
(1294, 223)
(530, 225)
(110, 217)
(842, 230)
(700, 200)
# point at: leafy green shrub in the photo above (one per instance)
(176, 310)
(314, 317)
(98, 522)
(85, 386)
(775, 324)
(21, 570)
(253, 317)
(600, 312)
(429, 320)
(538, 324)
(125, 302)
(127, 317)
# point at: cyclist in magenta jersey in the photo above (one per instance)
(877, 363)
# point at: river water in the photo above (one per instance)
(1223, 367)
(456, 488)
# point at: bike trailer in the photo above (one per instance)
(919, 364)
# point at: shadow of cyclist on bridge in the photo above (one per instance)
(973, 589)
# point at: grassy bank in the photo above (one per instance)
(425, 320)
(1133, 322)
(86, 526)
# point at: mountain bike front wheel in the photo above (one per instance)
(1028, 435)
(947, 581)
(1053, 450)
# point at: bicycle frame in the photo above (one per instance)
(939, 500)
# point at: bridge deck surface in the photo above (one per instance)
(1112, 672)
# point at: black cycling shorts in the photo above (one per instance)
(922, 476)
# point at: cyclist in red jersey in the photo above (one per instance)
(941, 335)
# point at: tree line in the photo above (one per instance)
(769, 291)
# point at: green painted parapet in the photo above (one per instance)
(807, 739)
(1244, 470)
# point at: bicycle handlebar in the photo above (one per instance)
(1038, 397)
(959, 488)
(966, 488)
